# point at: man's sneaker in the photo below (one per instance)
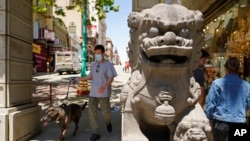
(94, 137)
(109, 127)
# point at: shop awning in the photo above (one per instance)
(36, 48)
(53, 49)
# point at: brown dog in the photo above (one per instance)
(63, 115)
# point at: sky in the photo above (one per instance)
(117, 29)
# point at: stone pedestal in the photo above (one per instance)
(20, 122)
(19, 118)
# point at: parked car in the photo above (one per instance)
(68, 61)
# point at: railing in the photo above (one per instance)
(49, 91)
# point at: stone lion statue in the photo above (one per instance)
(160, 98)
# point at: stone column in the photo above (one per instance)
(19, 117)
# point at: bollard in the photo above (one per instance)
(47, 67)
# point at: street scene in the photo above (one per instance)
(181, 69)
(52, 131)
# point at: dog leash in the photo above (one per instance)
(73, 81)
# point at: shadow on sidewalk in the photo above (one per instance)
(52, 131)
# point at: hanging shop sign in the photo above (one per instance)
(91, 31)
(47, 34)
(41, 60)
(36, 48)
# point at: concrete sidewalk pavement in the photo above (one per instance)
(51, 132)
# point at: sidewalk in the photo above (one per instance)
(51, 132)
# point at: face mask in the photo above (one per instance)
(98, 57)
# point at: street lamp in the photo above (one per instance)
(84, 41)
(83, 87)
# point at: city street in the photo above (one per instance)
(185, 52)
(51, 132)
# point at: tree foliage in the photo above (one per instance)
(102, 7)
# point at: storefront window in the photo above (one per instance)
(225, 36)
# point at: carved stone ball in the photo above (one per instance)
(165, 113)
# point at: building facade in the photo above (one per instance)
(73, 18)
(49, 35)
(96, 31)
(116, 57)
(74, 43)
(97, 27)
(102, 27)
(43, 38)
(73, 23)
(90, 52)
(226, 31)
(61, 41)
(109, 49)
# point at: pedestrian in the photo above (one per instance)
(102, 73)
(199, 75)
(127, 66)
(227, 101)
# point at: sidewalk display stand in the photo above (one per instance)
(83, 88)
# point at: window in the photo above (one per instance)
(37, 2)
(71, 2)
(72, 29)
(36, 27)
(58, 8)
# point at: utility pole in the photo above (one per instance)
(84, 41)
(83, 87)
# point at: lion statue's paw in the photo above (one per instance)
(193, 127)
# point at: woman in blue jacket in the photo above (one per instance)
(227, 101)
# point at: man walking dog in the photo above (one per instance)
(102, 73)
